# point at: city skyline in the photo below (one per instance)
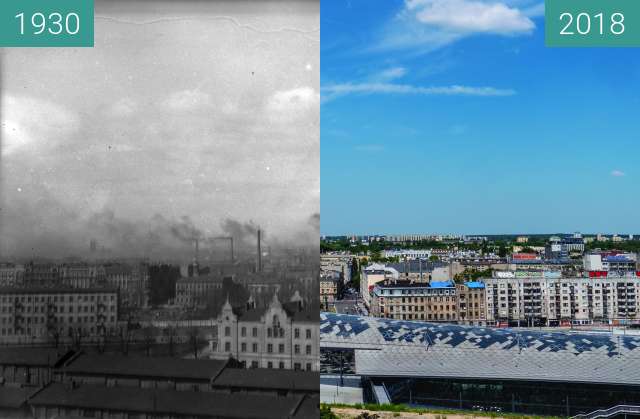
(439, 121)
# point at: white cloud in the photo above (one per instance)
(426, 25)
(617, 173)
(464, 16)
(336, 90)
(123, 108)
(187, 100)
(392, 73)
(290, 104)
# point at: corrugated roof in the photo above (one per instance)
(133, 399)
(36, 357)
(161, 367)
(269, 379)
(386, 347)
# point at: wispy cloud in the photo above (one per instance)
(617, 173)
(336, 90)
(391, 74)
(427, 25)
(369, 148)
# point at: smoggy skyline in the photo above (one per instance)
(202, 116)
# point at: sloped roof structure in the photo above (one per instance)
(398, 348)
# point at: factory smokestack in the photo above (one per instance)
(259, 264)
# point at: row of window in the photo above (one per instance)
(56, 298)
(271, 332)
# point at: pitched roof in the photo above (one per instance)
(265, 378)
(133, 399)
(165, 367)
(15, 397)
(32, 356)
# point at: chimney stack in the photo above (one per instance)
(259, 265)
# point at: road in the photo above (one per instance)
(346, 307)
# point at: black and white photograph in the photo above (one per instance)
(160, 215)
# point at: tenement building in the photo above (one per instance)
(471, 303)
(32, 315)
(408, 300)
(330, 288)
(283, 336)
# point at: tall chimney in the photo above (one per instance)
(259, 267)
(197, 250)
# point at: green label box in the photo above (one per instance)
(592, 23)
(46, 23)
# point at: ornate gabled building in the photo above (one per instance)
(283, 336)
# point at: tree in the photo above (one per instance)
(148, 338)
(194, 340)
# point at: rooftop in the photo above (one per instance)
(385, 347)
(168, 402)
(268, 379)
(164, 367)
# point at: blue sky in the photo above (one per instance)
(434, 121)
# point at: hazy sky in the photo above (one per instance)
(451, 116)
(182, 116)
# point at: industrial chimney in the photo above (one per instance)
(259, 264)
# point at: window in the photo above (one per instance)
(308, 333)
(254, 347)
(269, 364)
(243, 347)
(227, 331)
(281, 365)
(308, 349)
(281, 348)
(308, 366)
(255, 332)
(296, 333)
(243, 331)
(227, 346)
(270, 348)
(296, 349)
(296, 366)
(254, 364)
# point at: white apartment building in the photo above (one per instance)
(539, 300)
(282, 336)
(372, 275)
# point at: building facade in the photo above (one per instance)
(548, 301)
(407, 300)
(281, 336)
(32, 315)
(471, 303)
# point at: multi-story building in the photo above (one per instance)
(42, 275)
(82, 275)
(408, 300)
(11, 275)
(331, 284)
(132, 281)
(546, 300)
(371, 275)
(195, 291)
(338, 262)
(420, 270)
(471, 303)
(282, 336)
(30, 315)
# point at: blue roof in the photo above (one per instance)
(441, 284)
(617, 259)
(474, 284)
